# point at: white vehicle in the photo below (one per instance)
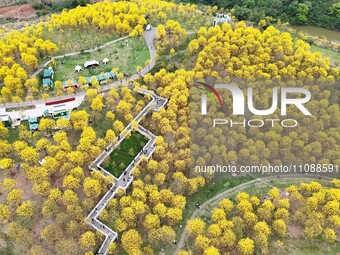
(148, 27)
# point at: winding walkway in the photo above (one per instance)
(124, 181)
(126, 178)
(213, 202)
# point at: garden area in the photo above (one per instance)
(125, 55)
(294, 242)
(78, 39)
(123, 155)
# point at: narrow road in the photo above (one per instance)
(216, 199)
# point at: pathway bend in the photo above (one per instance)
(236, 189)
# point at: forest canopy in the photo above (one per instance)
(318, 13)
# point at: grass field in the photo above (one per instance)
(126, 58)
(13, 134)
(327, 53)
(180, 60)
(100, 123)
(308, 247)
(71, 39)
(296, 246)
(218, 184)
(125, 153)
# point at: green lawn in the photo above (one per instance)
(308, 247)
(180, 60)
(100, 124)
(126, 58)
(13, 134)
(77, 39)
(219, 183)
(121, 157)
(260, 189)
(327, 53)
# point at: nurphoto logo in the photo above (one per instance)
(288, 96)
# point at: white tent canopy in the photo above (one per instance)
(78, 68)
(105, 60)
(91, 63)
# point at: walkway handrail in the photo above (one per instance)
(148, 150)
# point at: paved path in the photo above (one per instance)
(213, 202)
(148, 36)
(126, 178)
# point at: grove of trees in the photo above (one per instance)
(250, 225)
(50, 214)
(318, 13)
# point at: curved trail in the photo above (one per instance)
(216, 199)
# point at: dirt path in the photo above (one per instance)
(216, 199)
(17, 11)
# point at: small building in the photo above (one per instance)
(103, 78)
(70, 84)
(88, 81)
(92, 63)
(33, 124)
(48, 73)
(105, 60)
(78, 68)
(57, 111)
(100, 77)
(113, 75)
(60, 111)
(48, 78)
(48, 84)
(6, 119)
(221, 18)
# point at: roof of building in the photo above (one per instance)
(100, 77)
(78, 68)
(48, 73)
(107, 75)
(223, 17)
(32, 120)
(60, 108)
(34, 126)
(47, 82)
(4, 117)
(105, 60)
(90, 63)
(73, 81)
